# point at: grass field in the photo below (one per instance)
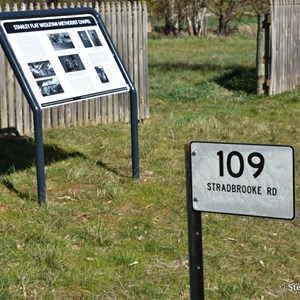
(105, 236)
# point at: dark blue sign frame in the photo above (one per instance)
(35, 106)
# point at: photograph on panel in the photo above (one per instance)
(85, 39)
(94, 37)
(71, 63)
(41, 69)
(102, 75)
(50, 87)
(61, 41)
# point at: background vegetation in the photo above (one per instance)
(190, 16)
(104, 235)
(186, 16)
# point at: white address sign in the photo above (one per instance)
(253, 180)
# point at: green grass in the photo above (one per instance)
(105, 236)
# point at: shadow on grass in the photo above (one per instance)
(238, 78)
(178, 67)
(17, 153)
(8, 184)
(234, 78)
(109, 169)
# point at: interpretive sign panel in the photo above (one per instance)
(253, 180)
(63, 58)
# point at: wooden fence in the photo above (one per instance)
(279, 48)
(127, 25)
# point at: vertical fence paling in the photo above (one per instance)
(260, 55)
(285, 37)
(127, 25)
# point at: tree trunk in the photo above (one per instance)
(202, 22)
(223, 22)
(169, 18)
(169, 26)
(190, 26)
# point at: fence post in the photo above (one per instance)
(260, 56)
(268, 44)
(263, 54)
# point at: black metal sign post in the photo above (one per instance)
(134, 134)
(39, 157)
(194, 237)
(77, 43)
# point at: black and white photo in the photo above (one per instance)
(50, 87)
(71, 63)
(41, 69)
(102, 75)
(61, 41)
(95, 38)
(85, 39)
